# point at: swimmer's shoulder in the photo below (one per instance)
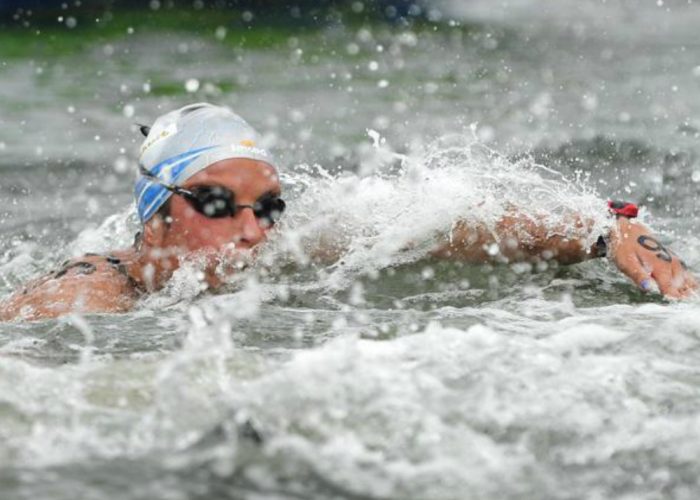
(90, 284)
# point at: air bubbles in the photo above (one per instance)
(70, 109)
(382, 84)
(427, 273)
(92, 205)
(431, 87)
(296, 115)
(128, 110)
(154, 5)
(373, 66)
(247, 16)
(71, 22)
(220, 33)
(434, 15)
(589, 102)
(121, 164)
(695, 176)
(357, 7)
(364, 35)
(357, 294)
(408, 38)
(492, 249)
(352, 49)
(192, 85)
(381, 122)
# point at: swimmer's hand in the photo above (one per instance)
(644, 259)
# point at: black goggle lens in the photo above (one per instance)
(216, 202)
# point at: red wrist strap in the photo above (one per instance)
(623, 208)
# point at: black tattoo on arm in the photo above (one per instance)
(654, 245)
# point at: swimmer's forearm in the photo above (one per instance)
(518, 238)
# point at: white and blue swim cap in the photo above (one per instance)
(186, 141)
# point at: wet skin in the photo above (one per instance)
(186, 233)
(165, 246)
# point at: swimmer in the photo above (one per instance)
(207, 189)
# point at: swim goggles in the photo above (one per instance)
(216, 202)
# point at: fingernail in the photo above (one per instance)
(645, 284)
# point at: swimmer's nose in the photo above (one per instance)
(250, 231)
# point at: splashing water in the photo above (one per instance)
(348, 362)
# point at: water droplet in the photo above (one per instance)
(431, 87)
(589, 102)
(192, 85)
(121, 164)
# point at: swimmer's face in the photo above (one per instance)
(193, 231)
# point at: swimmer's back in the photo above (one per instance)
(92, 283)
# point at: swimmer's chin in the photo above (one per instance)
(222, 267)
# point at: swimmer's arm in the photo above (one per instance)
(632, 247)
(72, 293)
(519, 238)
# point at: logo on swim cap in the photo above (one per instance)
(186, 141)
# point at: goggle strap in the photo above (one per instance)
(170, 187)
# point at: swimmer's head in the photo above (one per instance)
(226, 189)
(186, 141)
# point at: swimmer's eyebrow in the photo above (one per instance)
(270, 192)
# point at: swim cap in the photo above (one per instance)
(186, 141)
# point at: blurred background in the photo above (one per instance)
(580, 85)
(389, 374)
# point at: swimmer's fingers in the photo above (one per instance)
(668, 271)
(642, 257)
(633, 267)
(681, 282)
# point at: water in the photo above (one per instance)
(386, 374)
